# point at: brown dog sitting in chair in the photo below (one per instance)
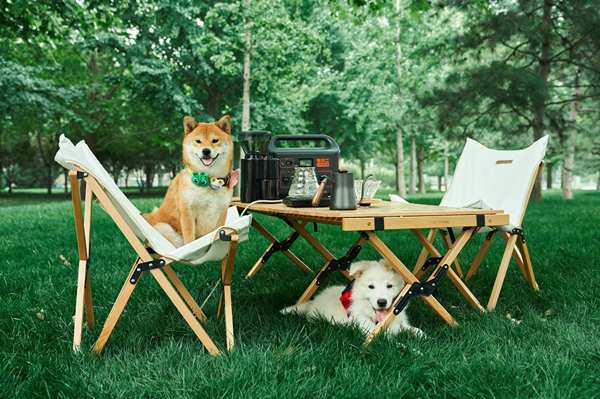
(198, 197)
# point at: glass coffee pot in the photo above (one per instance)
(304, 183)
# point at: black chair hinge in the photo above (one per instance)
(342, 263)
(223, 236)
(81, 175)
(432, 261)
(426, 288)
(144, 267)
(519, 232)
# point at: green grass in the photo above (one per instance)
(553, 353)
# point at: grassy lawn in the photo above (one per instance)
(552, 351)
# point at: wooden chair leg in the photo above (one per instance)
(227, 265)
(228, 311)
(116, 311)
(483, 250)
(510, 244)
(87, 300)
(185, 294)
(187, 314)
(79, 305)
(528, 264)
(418, 269)
(517, 257)
(82, 248)
(448, 244)
(87, 229)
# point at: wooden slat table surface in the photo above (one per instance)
(394, 215)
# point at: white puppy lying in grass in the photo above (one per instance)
(365, 302)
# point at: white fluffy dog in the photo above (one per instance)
(365, 302)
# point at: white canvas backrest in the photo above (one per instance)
(500, 179)
(71, 156)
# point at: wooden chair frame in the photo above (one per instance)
(515, 248)
(159, 267)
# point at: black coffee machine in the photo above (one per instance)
(260, 171)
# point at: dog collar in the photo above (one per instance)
(346, 297)
(202, 179)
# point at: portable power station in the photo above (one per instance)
(317, 150)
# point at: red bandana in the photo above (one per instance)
(346, 298)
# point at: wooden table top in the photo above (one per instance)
(387, 215)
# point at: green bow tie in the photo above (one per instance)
(200, 179)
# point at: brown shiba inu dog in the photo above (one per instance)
(198, 197)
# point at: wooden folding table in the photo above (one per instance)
(367, 221)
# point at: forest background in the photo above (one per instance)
(398, 84)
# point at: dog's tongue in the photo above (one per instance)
(380, 315)
(206, 161)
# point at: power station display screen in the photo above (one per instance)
(305, 162)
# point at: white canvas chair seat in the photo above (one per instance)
(154, 252)
(497, 179)
(203, 249)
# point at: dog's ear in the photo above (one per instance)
(357, 268)
(224, 124)
(189, 124)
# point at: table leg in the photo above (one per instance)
(410, 279)
(448, 258)
(274, 246)
(341, 264)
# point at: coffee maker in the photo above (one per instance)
(260, 171)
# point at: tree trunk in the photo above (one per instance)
(598, 182)
(446, 166)
(439, 183)
(362, 168)
(127, 178)
(213, 101)
(421, 168)
(544, 71)
(569, 158)
(401, 185)
(238, 151)
(149, 172)
(548, 175)
(49, 180)
(413, 166)
(246, 74)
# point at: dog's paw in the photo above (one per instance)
(417, 332)
(289, 309)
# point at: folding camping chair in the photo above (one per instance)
(488, 178)
(154, 252)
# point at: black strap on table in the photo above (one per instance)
(280, 246)
(431, 261)
(342, 263)
(426, 288)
